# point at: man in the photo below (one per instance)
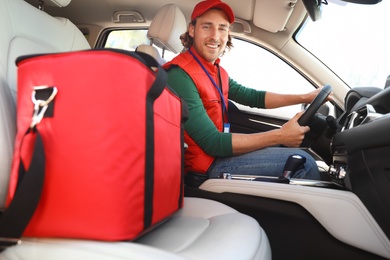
(205, 86)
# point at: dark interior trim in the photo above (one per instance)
(292, 231)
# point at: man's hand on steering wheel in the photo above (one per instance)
(313, 94)
(292, 134)
(323, 94)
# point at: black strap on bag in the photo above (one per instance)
(28, 192)
(155, 90)
(22, 207)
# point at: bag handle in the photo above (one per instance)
(161, 75)
(154, 92)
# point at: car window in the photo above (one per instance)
(131, 39)
(353, 40)
(255, 67)
(246, 63)
(126, 39)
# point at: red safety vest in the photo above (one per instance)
(196, 160)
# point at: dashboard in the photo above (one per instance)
(361, 152)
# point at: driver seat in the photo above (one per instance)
(164, 32)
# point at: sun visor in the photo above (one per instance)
(273, 15)
(242, 8)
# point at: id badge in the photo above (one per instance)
(226, 128)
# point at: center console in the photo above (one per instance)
(352, 202)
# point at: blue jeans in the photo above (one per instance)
(265, 162)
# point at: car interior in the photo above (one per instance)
(343, 216)
(188, 231)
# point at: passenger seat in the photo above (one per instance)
(203, 229)
(25, 30)
(164, 32)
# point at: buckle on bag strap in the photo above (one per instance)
(40, 106)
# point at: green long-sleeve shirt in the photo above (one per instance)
(199, 125)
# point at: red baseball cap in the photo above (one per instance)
(206, 5)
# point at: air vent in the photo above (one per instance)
(361, 116)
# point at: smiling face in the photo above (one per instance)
(210, 34)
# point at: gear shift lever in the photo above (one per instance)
(293, 163)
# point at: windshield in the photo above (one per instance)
(353, 40)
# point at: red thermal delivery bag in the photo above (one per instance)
(104, 134)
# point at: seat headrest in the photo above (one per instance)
(152, 51)
(57, 3)
(166, 27)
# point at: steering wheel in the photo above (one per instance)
(314, 105)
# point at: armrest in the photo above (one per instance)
(340, 212)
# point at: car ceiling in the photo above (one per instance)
(272, 24)
(269, 15)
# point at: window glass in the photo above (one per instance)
(131, 39)
(353, 40)
(127, 39)
(256, 67)
(247, 63)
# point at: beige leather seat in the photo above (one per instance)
(25, 30)
(203, 229)
(206, 229)
(164, 32)
(152, 51)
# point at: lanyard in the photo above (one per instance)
(212, 81)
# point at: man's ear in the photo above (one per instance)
(191, 30)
